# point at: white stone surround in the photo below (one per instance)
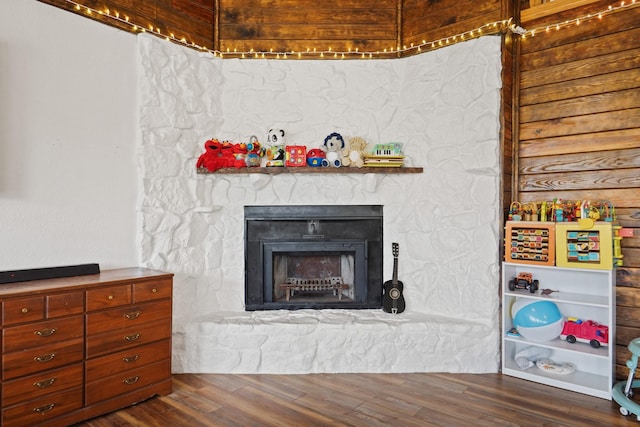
(444, 105)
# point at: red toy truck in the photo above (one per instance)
(586, 331)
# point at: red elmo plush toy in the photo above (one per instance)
(240, 155)
(217, 155)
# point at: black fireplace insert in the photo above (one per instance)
(313, 256)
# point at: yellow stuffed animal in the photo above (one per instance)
(353, 155)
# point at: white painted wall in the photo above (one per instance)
(68, 134)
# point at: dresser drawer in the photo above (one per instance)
(112, 296)
(65, 304)
(121, 361)
(152, 290)
(41, 384)
(127, 381)
(42, 333)
(22, 310)
(40, 411)
(125, 338)
(39, 359)
(126, 317)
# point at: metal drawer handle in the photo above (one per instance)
(46, 358)
(154, 290)
(131, 380)
(131, 358)
(132, 337)
(44, 383)
(46, 332)
(44, 409)
(132, 315)
(24, 310)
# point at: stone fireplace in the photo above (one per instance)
(443, 104)
(313, 256)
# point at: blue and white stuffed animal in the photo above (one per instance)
(333, 145)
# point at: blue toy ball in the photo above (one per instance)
(537, 320)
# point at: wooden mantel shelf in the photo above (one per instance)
(319, 170)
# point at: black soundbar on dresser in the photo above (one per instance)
(48, 273)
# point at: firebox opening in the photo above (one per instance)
(313, 257)
(325, 277)
(314, 272)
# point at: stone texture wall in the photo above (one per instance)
(443, 105)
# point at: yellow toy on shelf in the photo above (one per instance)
(585, 244)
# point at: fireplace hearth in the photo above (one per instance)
(313, 256)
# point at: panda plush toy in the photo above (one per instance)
(275, 153)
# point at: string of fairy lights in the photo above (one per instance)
(495, 27)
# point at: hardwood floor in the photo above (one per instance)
(365, 400)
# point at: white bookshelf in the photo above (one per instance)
(587, 294)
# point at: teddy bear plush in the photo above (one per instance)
(353, 155)
(333, 146)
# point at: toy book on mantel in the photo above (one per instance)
(580, 234)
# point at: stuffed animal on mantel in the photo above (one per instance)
(217, 155)
(333, 146)
(353, 155)
(275, 153)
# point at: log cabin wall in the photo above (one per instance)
(579, 130)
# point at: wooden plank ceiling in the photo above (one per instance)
(384, 27)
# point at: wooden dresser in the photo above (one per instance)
(78, 347)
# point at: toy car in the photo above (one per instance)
(524, 281)
(586, 331)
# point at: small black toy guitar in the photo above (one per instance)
(392, 299)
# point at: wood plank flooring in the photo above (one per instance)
(432, 399)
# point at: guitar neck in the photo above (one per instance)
(395, 270)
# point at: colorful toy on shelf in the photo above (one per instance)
(275, 156)
(537, 320)
(295, 155)
(618, 234)
(390, 149)
(586, 331)
(530, 242)
(585, 244)
(315, 156)
(524, 281)
(561, 210)
(515, 211)
(275, 152)
(255, 152)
